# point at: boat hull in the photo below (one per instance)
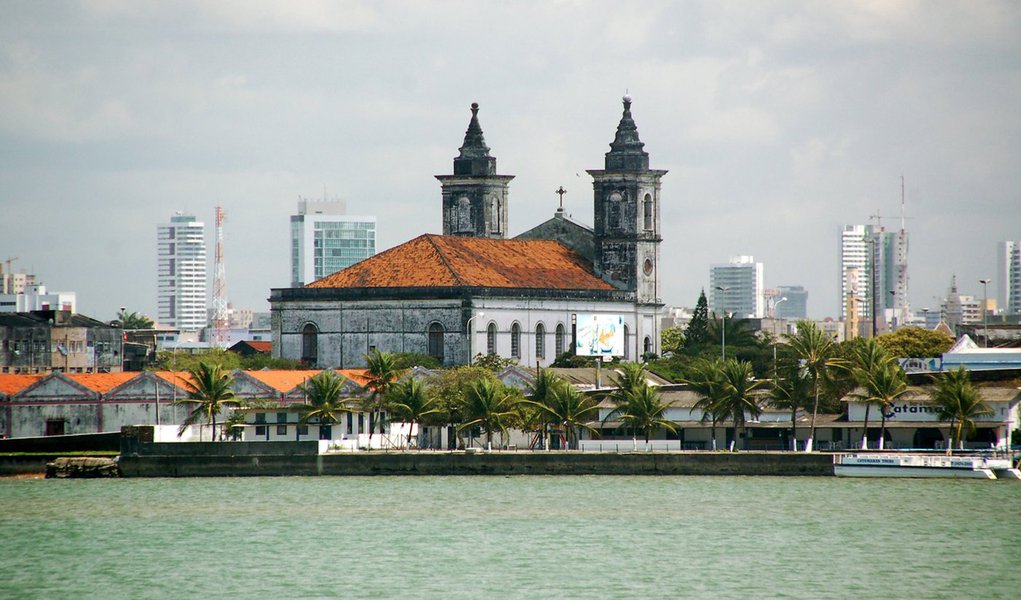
(920, 465)
(867, 471)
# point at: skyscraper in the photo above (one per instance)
(873, 272)
(1008, 277)
(796, 304)
(736, 288)
(181, 273)
(324, 240)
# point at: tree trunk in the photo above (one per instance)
(950, 442)
(815, 411)
(794, 427)
(865, 433)
(882, 428)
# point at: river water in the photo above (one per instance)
(510, 537)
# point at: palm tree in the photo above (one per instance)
(641, 409)
(816, 353)
(324, 394)
(883, 385)
(705, 379)
(867, 357)
(738, 395)
(960, 403)
(630, 376)
(540, 394)
(382, 373)
(568, 408)
(410, 400)
(792, 388)
(209, 390)
(488, 405)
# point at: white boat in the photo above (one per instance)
(922, 465)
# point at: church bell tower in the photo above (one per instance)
(475, 197)
(627, 223)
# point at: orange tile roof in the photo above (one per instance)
(102, 382)
(11, 383)
(448, 261)
(359, 376)
(181, 379)
(260, 346)
(283, 380)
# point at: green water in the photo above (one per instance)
(510, 537)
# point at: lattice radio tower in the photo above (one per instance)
(221, 325)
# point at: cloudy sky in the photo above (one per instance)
(778, 122)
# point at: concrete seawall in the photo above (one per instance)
(482, 463)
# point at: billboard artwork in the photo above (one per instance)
(600, 335)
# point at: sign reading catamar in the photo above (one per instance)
(600, 335)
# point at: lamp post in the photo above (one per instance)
(985, 311)
(777, 303)
(468, 328)
(723, 326)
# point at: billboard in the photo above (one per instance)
(600, 335)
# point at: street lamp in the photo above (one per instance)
(925, 315)
(775, 304)
(985, 310)
(723, 326)
(468, 328)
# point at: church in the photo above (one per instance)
(475, 291)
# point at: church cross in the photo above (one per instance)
(560, 192)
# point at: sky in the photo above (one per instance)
(779, 122)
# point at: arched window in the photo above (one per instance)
(516, 340)
(627, 344)
(540, 341)
(559, 340)
(464, 215)
(647, 209)
(436, 341)
(648, 344)
(497, 213)
(613, 211)
(310, 345)
(491, 339)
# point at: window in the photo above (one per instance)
(540, 341)
(516, 340)
(260, 417)
(491, 339)
(436, 341)
(613, 211)
(281, 429)
(648, 344)
(627, 345)
(350, 423)
(497, 213)
(559, 339)
(281, 417)
(55, 427)
(325, 432)
(302, 429)
(260, 430)
(647, 209)
(310, 345)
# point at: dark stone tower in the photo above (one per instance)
(475, 197)
(627, 224)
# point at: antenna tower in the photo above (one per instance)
(221, 328)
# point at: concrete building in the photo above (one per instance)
(796, 304)
(50, 340)
(736, 288)
(873, 273)
(1008, 277)
(182, 298)
(472, 291)
(325, 239)
(36, 297)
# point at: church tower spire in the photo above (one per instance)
(475, 197)
(626, 221)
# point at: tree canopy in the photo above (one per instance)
(915, 342)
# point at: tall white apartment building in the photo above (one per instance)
(736, 288)
(1008, 277)
(181, 273)
(873, 272)
(325, 239)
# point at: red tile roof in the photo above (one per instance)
(102, 382)
(447, 261)
(11, 383)
(283, 380)
(260, 346)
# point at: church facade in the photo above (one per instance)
(473, 291)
